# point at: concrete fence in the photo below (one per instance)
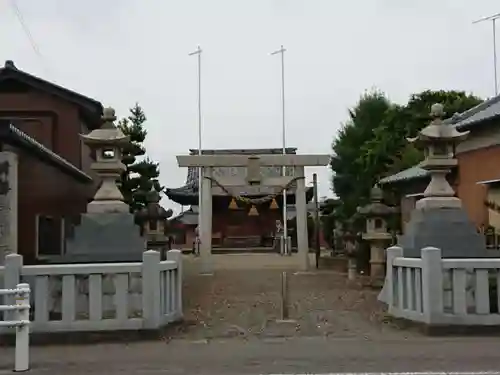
(440, 291)
(100, 297)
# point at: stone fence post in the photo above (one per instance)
(176, 256)
(151, 289)
(390, 292)
(432, 284)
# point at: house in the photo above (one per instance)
(476, 178)
(232, 227)
(40, 123)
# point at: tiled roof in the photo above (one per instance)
(406, 174)
(12, 135)
(487, 110)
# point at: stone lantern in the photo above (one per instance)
(107, 142)
(349, 236)
(107, 231)
(337, 235)
(438, 219)
(153, 222)
(438, 140)
(376, 233)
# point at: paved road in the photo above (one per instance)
(235, 356)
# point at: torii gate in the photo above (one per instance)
(253, 184)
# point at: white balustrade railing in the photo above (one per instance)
(103, 296)
(16, 314)
(443, 291)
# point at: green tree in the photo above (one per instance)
(373, 143)
(388, 151)
(351, 181)
(141, 173)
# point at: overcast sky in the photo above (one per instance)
(123, 51)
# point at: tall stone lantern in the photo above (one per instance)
(107, 142)
(107, 231)
(438, 219)
(376, 233)
(153, 220)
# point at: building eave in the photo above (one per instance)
(405, 176)
(9, 134)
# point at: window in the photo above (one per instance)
(153, 224)
(440, 149)
(50, 235)
(108, 154)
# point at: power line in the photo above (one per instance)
(493, 20)
(29, 35)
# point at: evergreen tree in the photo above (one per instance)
(141, 173)
(373, 142)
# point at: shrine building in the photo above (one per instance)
(236, 224)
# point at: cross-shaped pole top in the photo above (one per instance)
(281, 50)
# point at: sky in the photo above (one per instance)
(125, 51)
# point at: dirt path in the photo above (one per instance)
(245, 302)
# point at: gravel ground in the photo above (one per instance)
(246, 303)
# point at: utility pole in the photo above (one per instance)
(281, 52)
(493, 20)
(200, 177)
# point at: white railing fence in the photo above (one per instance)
(16, 310)
(102, 296)
(441, 291)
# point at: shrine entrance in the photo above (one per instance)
(253, 182)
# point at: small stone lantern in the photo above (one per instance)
(350, 237)
(153, 222)
(337, 235)
(376, 233)
(107, 142)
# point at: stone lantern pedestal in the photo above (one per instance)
(376, 234)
